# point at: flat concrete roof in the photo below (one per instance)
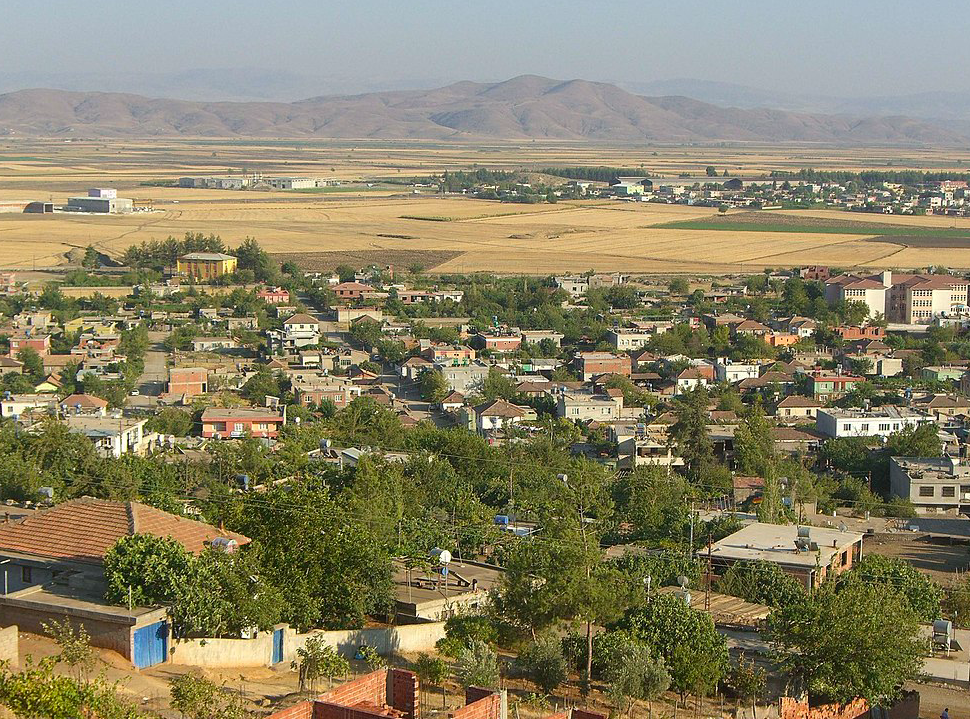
(776, 543)
(69, 601)
(427, 587)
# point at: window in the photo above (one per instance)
(26, 575)
(884, 427)
(926, 491)
(949, 491)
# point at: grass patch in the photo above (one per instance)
(428, 218)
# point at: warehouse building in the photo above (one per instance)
(103, 200)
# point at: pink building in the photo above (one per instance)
(274, 295)
(232, 423)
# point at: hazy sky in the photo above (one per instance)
(845, 47)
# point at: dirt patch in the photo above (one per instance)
(946, 563)
(925, 242)
(777, 219)
(327, 261)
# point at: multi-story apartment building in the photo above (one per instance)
(880, 422)
(206, 265)
(905, 298)
(932, 484)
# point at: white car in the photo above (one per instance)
(135, 393)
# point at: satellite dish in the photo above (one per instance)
(682, 581)
(442, 556)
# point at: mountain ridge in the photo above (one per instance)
(527, 107)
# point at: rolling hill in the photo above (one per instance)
(522, 108)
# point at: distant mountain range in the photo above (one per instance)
(523, 108)
(948, 106)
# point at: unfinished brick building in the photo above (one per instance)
(393, 694)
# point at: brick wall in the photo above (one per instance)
(794, 709)
(583, 714)
(403, 692)
(488, 706)
(303, 710)
(371, 688)
(473, 694)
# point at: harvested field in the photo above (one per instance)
(376, 224)
(329, 261)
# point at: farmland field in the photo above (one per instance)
(377, 218)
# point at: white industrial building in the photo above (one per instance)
(103, 200)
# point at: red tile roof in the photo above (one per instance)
(82, 530)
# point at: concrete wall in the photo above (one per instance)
(117, 636)
(10, 645)
(257, 652)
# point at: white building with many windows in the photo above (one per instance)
(880, 422)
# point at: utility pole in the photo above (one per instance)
(691, 547)
(707, 595)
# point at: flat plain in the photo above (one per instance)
(375, 216)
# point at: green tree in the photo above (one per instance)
(694, 652)
(33, 365)
(171, 420)
(860, 641)
(254, 258)
(38, 692)
(634, 673)
(920, 441)
(710, 171)
(197, 697)
(224, 594)
(754, 447)
(432, 671)
(331, 569)
(689, 433)
(543, 662)
(923, 594)
(761, 583)
(434, 386)
(260, 384)
(497, 385)
(144, 569)
(746, 679)
(956, 606)
(314, 660)
(678, 286)
(75, 644)
(478, 666)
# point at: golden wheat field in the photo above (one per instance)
(370, 216)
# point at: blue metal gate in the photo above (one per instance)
(277, 646)
(151, 645)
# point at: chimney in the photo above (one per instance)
(887, 278)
